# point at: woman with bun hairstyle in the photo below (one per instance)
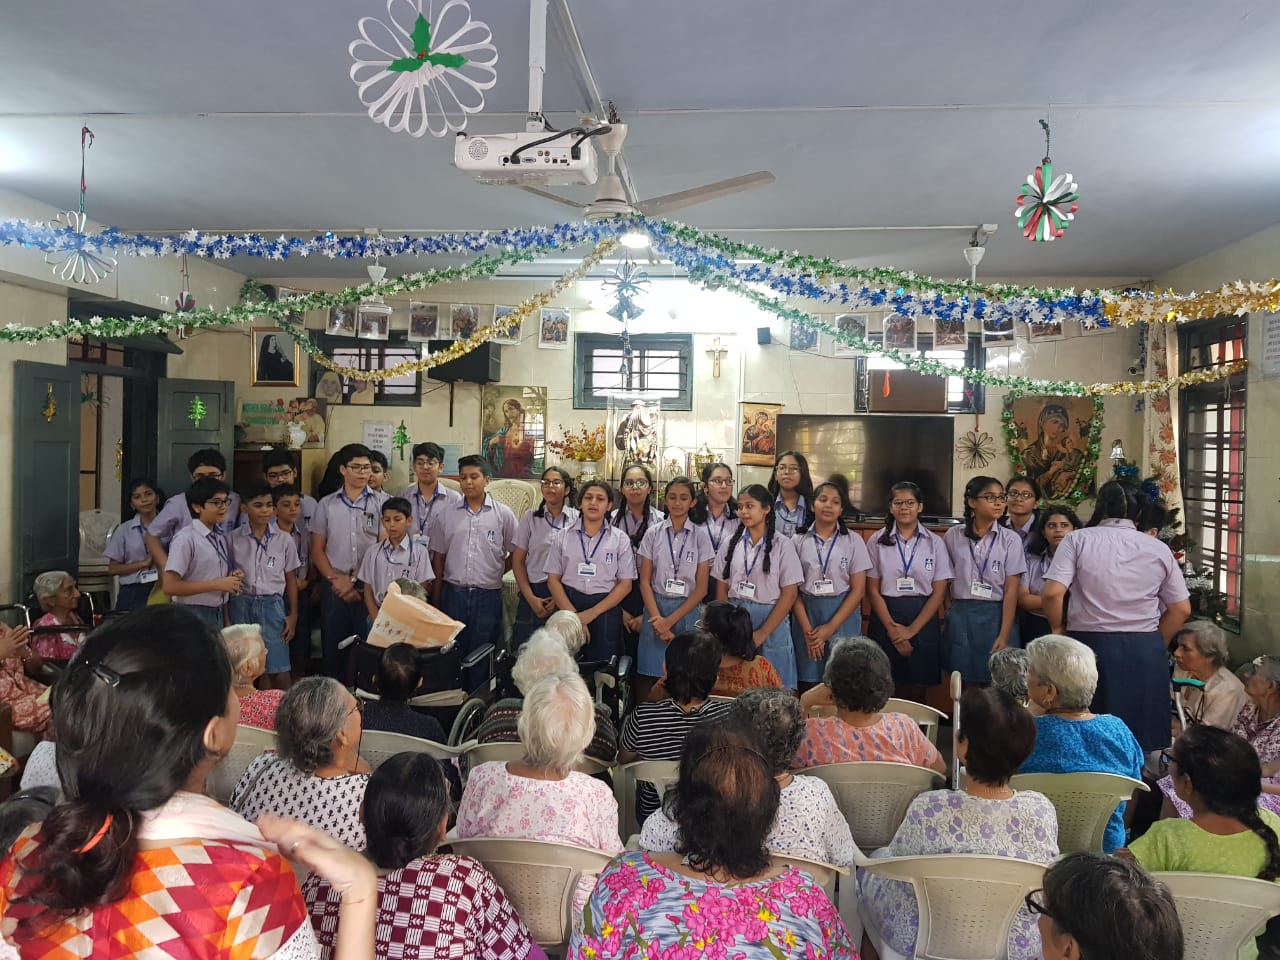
(761, 573)
(988, 562)
(590, 569)
(907, 583)
(835, 564)
(1120, 581)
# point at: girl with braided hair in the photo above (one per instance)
(634, 516)
(763, 577)
(1217, 774)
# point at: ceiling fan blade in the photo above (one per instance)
(551, 196)
(711, 191)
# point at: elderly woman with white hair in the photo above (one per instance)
(1201, 654)
(59, 598)
(1062, 676)
(248, 655)
(318, 777)
(548, 651)
(541, 797)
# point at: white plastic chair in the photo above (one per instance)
(967, 903)
(1084, 803)
(826, 875)
(379, 746)
(474, 753)
(250, 743)
(874, 796)
(660, 773)
(539, 878)
(957, 690)
(519, 495)
(96, 527)
(926, 716)
(1219, 914)
(451, 484)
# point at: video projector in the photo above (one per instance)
(512, 158)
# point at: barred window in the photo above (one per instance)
(661, 366)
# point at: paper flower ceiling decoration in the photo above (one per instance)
(976, 449)
(77, 265)
(420, 73)
(1047, 204)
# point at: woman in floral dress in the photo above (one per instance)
(717, 895)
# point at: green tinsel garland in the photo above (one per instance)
(1093, 446)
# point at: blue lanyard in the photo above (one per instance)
(724, 520)
(748, 566)
(906, 563)
(386, 552)
(564, 521)
(265, 542)
(626, 520)
(817, 549)
(982, 571)
(671, 545)
(430, 506)
(342, 495)
(582, 541)
(220, 549)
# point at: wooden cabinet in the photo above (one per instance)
(246, 469)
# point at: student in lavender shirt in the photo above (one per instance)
(1118, 578)
(835, 564)
(176, 513)
(268, 593)
(988, 562)
(1052, 528)
(716, 510)
(791, 488)
(427, 494)
(761, 573)
(675, 565)
(347, 523)
(198, 573)
(907, 585)
(590, 569)
(394, 558)
(278, 471)
(471, 544)
(1024, 506)
(379, 470)
(635, 515)
(530, 546)
(126, 551)
(288, 503)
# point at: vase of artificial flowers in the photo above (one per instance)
(580, 450)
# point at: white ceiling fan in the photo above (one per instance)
(612, 198)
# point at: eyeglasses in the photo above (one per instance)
(218, 502)
(553, 483)
(426, 462)
(784, 468)
(1035, 903)
(359, 467)
(903, 504)
(635, 484)
(1167, 757)
(279, 474)
(992, 497)
(1020, 495)
(721, 481)
(357, 708)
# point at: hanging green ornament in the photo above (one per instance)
(197, 411)
(400, 438)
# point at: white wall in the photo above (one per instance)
(1254, 258)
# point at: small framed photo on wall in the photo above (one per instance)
(511, 336)
(274, 357)
(900, 332)
(804, 338)
(375, 321)
(949, 334)
(553, 329)
(466, 320)
(853, 325)
(424, 321)
(342, 321)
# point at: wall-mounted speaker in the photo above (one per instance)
(763, 336)
(481, 365)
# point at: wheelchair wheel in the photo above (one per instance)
(468, 721)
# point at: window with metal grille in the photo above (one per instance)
(371, 355)
(963, 396)
(1213, 456)
(661, 366)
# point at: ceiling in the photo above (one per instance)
(240, 115)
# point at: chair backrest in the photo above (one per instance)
(660, 773)
(379, 746)
(967, 902)
(926, 716)
(96, 527)
(1084, 803)
(474, 753)
(873, 796)
(825, 874)
(1219, 914)
(520, 495)
(451, 484)
(250, 743)
(539, 878)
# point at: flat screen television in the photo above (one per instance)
(875, 452)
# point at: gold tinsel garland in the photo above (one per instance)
(1231, 300)
(462, 347)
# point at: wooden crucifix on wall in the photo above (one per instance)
(716, 352)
